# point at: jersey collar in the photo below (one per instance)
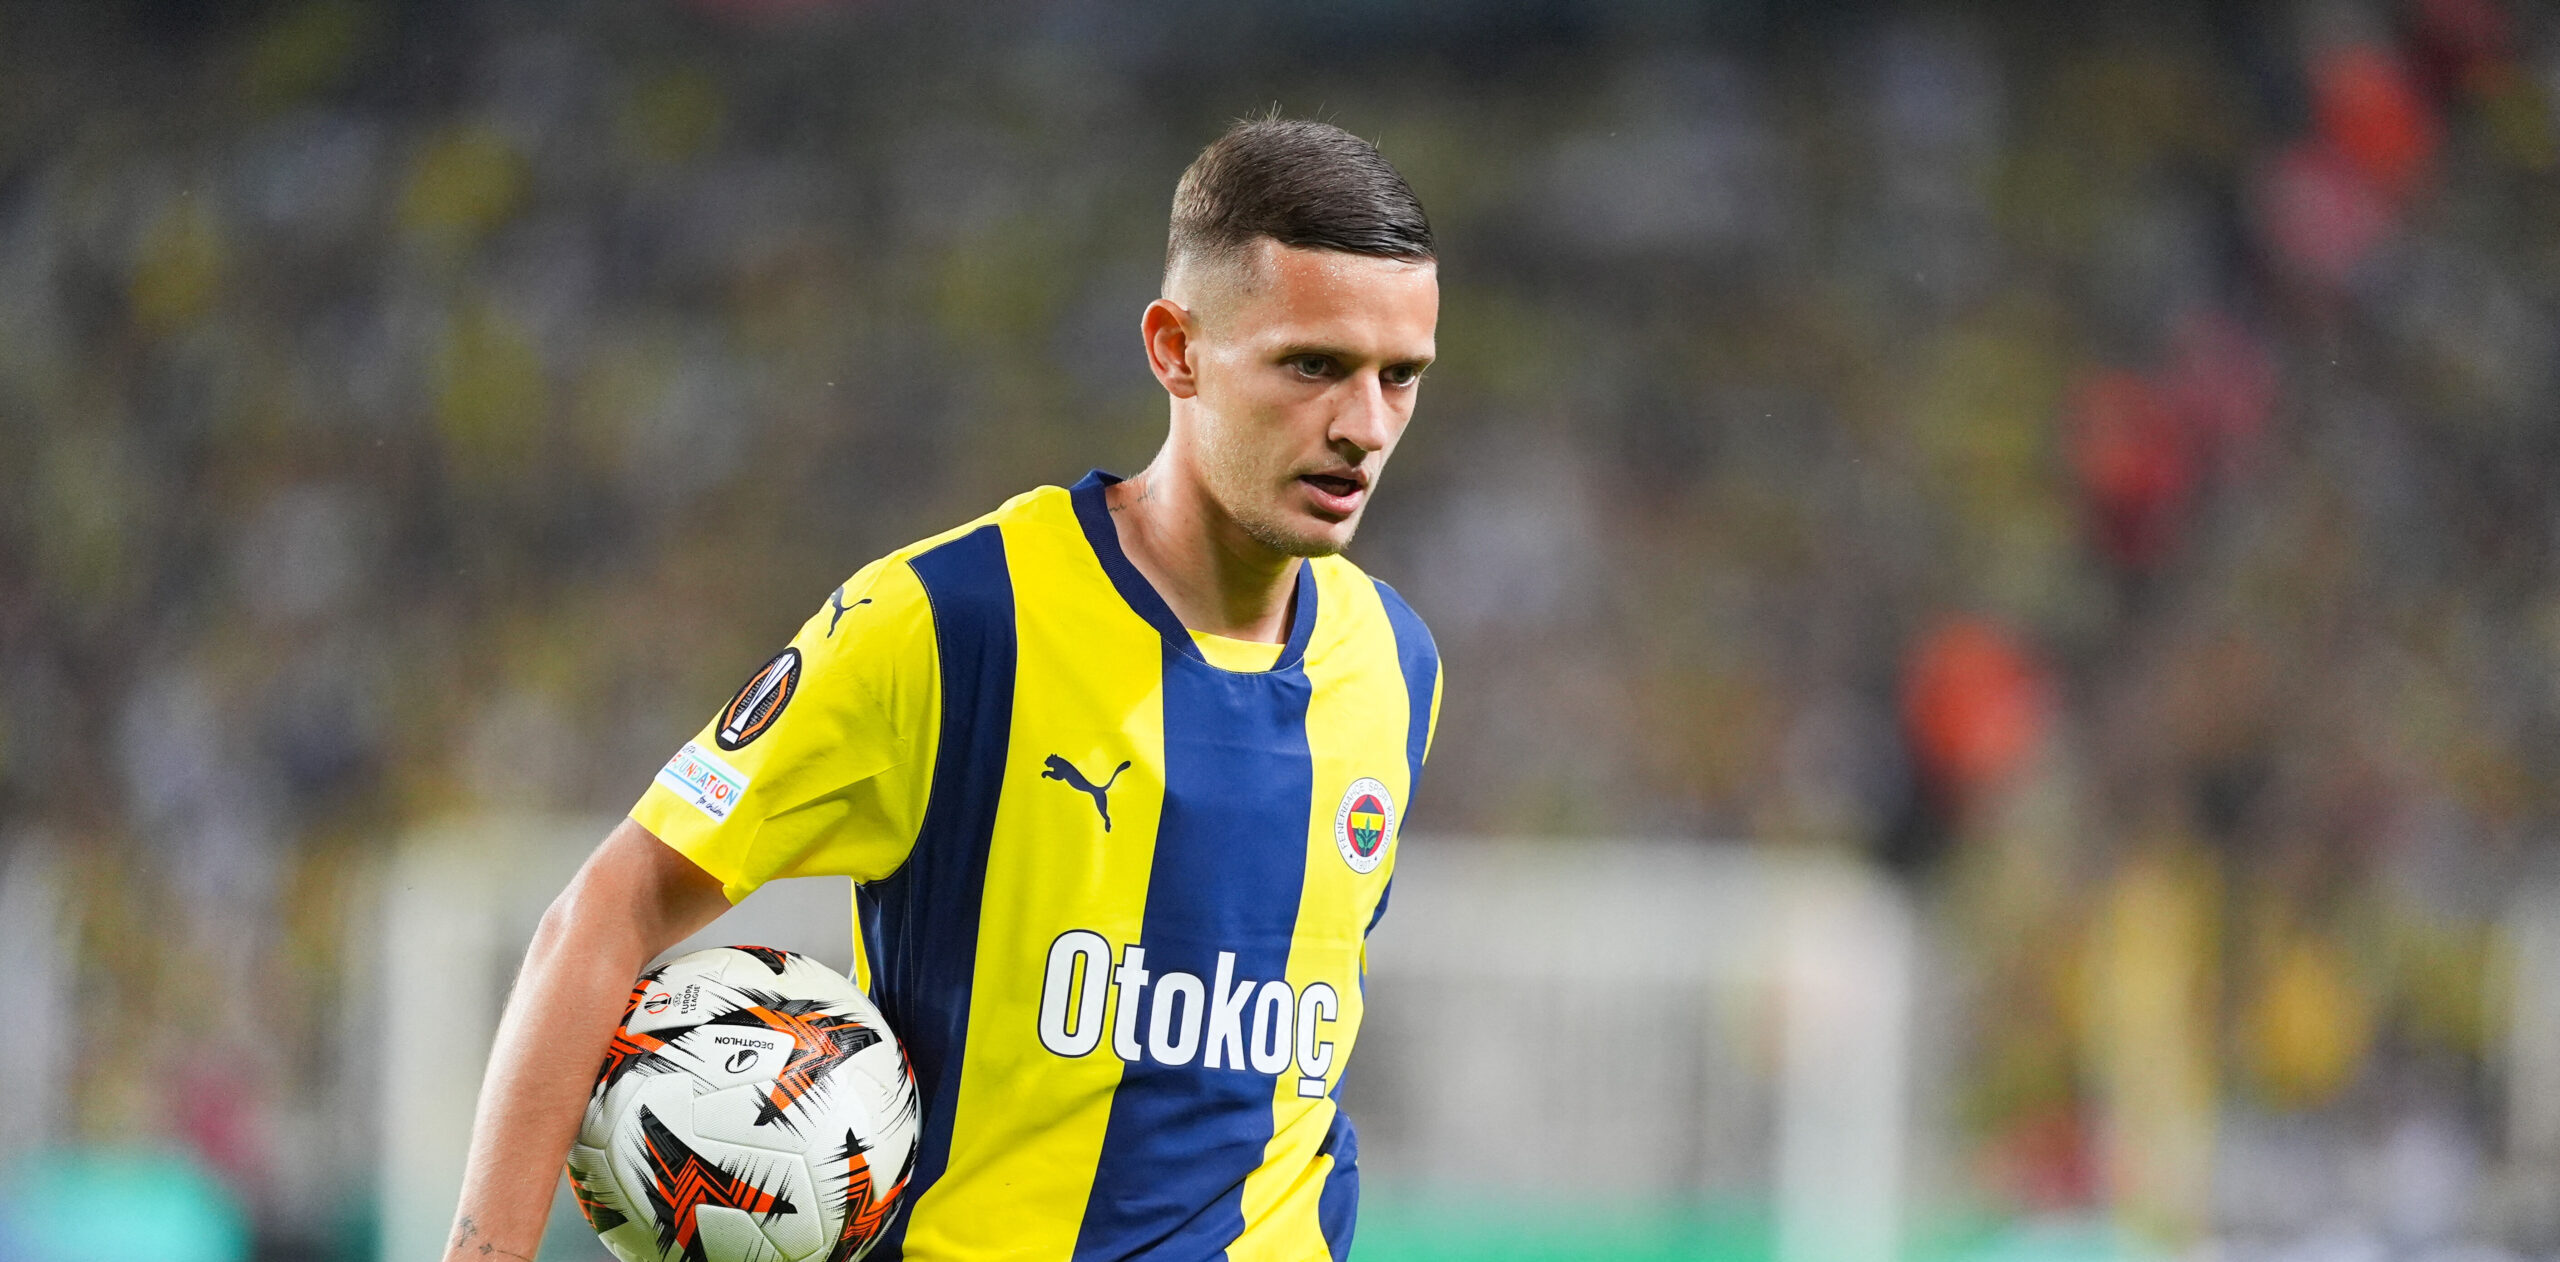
(1095, 516)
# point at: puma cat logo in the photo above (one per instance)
(835, 601)
(1065, 772)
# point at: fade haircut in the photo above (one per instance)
(1301, 183)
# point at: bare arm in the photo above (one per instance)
(634, 898)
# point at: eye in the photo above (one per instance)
(1401, 374)
(1311, 366)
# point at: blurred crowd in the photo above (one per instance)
(2099, 465)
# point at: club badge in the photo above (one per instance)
(1363, 826)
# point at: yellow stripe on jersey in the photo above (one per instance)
(1074, 838)
(1351, 668)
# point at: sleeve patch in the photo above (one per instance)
(712, 786)
(759, 702)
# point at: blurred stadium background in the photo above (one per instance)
(1996, 564)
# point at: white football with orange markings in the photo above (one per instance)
(753, 1107)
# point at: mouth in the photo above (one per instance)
(1337, 492)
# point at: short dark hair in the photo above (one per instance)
(1300, 183)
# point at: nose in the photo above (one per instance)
(1368, 419)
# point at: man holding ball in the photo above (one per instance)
(1117, 771)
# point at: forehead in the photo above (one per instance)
(1326, 297)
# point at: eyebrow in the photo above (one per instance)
(1338, 353)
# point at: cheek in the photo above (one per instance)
(1235, 443)
(1257, 424)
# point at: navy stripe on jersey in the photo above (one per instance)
(1302, 626)
(866, 909)
(1093, 512)
(1230, 866)
(1338, 1206)
(1419, 658)
(927, 942)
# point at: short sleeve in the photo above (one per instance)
(821, 764)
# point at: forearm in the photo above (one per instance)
(633, 899)
(559, 1019)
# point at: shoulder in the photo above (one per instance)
(975, 541)
(1401, 615)
(885, 613)
(1022, 509)
(965, 573)
(1374, 605)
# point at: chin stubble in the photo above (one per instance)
(1271, 536)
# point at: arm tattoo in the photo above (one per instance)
(466, 1231)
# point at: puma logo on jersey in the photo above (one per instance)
(835, 601)
(1065, 772)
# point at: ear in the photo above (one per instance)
(1169, 331)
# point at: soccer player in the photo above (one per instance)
(1117, 771)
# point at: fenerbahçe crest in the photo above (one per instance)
(1363, 825)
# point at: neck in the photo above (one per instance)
(1216, 577)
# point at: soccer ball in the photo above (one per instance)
(753, 1108)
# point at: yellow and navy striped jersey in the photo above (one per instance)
(1113, 879)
